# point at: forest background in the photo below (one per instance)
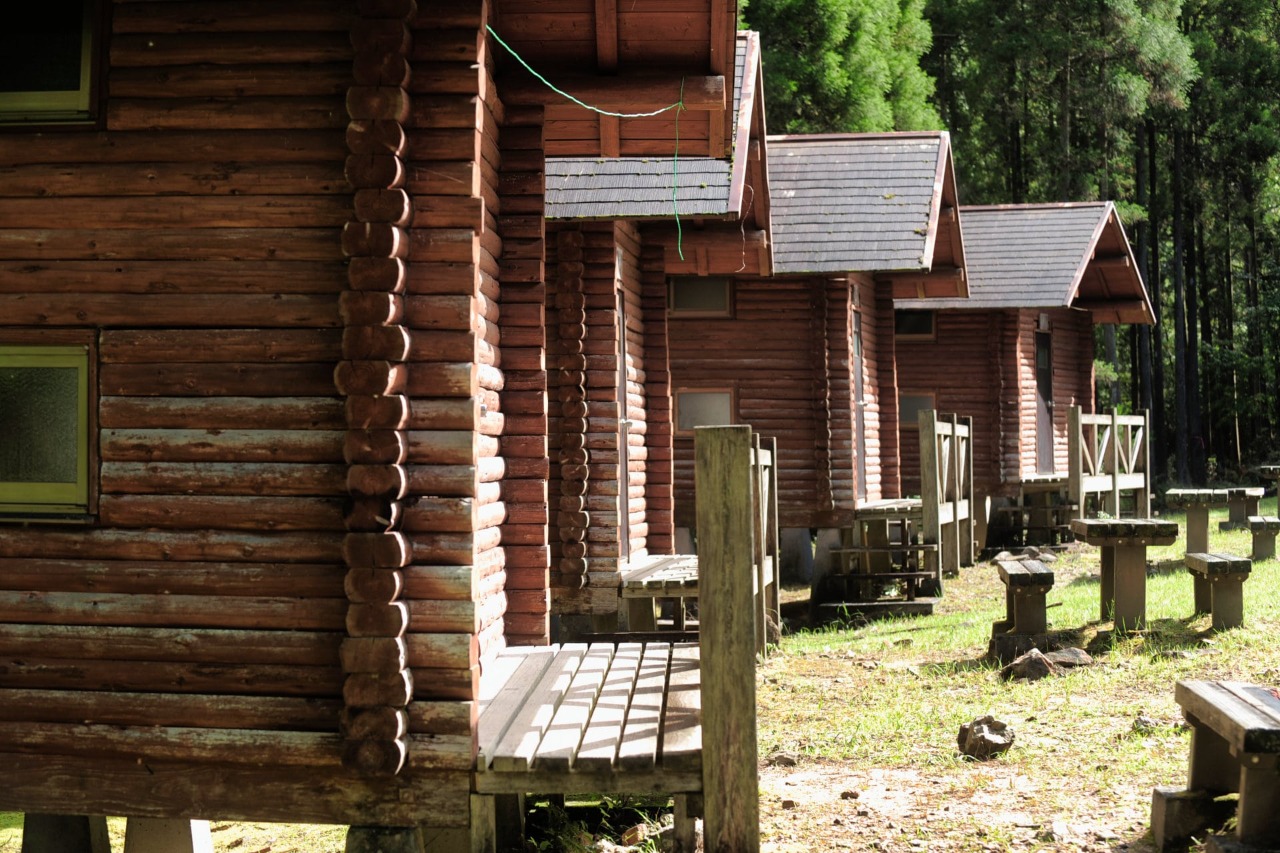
(1170, 108)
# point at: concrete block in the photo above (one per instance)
(57, 833)
(154, 835)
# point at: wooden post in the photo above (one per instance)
(1142, 501)
(731, 789)
(930, 526)
(1114, 508)
(1075, 460)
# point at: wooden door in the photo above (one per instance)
(859, 404)
(1044, 403)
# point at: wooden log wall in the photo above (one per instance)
(659, 498)
(883, 444)
(864, 300)
(840, 294)
(1072, 349)
(585, 426)
(456, 583)
(280, 540)
(764, 355)
(524, 362)
(961, 367)
(375, 346)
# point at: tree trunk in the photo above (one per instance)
(1182, 470)
(1145, 382)
(1160, 444)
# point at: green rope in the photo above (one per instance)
(678, 106)
(675, 177)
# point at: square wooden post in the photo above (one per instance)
(730, 781)
(1197, 528)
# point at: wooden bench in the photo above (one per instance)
(1123, 570)
(1235, 748)
(672, 718)
(580, 718)
(1242, 502)
(1197, 503)
(658, 578)
(1219, 587)
(1026, 582)
(1264, 529)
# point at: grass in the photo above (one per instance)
(876, 707)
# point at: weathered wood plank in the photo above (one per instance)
(173, 277)
(300, 580)
(560, 743)
(602, 737)
(182, 788)
(310, 547)
(228, 445)
(79, 643)
(169, 709)
(171, 677)
(521, 674)
(222, 478)
(638, 748)
(194, 611)
(301, 414)
(516, 750)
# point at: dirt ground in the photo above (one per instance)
(830, 806)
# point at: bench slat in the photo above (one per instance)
(516, 675)
(518, 746)
(604, 732)
(1024, 572)
(560, 743)
(682, 719)
(1217, 564)
(1245, 728)
(639, 747)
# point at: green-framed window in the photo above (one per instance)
(48, 56)
(44, 430)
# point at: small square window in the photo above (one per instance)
(703, 408)
(47, 59)
(911, 405)
(701, 297)
(913, 324)
(44, 430)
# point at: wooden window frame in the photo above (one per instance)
(79, 503)
(931, 335)
(67, 108)
(675, 402)
(692, 313)
(931, 396)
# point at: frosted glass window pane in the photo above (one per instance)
(910, 406)
(704, 408)
(700, 295)
(38, 424)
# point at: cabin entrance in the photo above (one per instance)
(1044, 403)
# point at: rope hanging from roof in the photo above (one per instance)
(678, 106)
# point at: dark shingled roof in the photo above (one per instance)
(634, 187)
(1026, 256)
(855, 202)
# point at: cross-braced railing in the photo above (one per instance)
(1109, 456)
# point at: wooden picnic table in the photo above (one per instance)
(1235, 748)
(1197, 503)
(1271, 472)
(1124, 541)
(1242, 502)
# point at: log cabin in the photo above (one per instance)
(775, 294)
(1019, 351)
(614, 228)
(273, 355)
(805, 354)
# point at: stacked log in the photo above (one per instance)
(572, 518)
(524, 397)
(659, 499)
(375, 345)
